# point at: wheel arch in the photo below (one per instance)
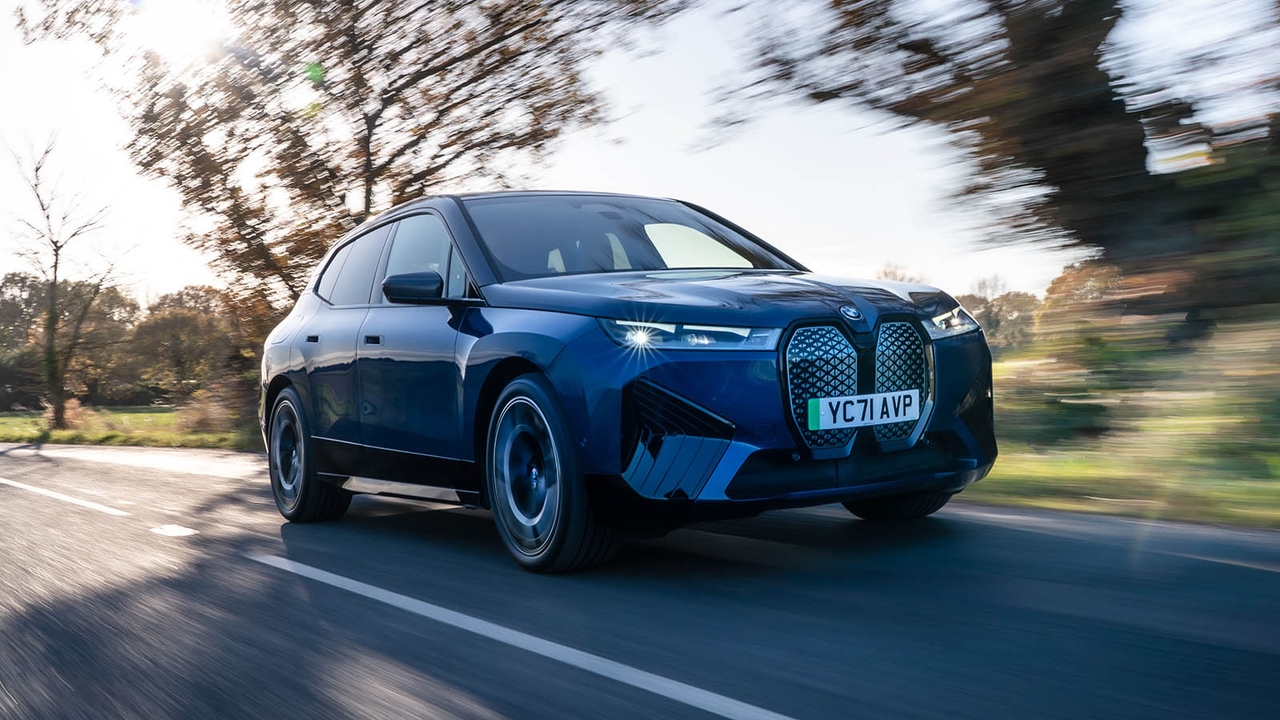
(277, 384)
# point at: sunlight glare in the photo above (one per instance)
(180, 31)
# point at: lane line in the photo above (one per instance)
(173, 531)
(229, 465)
(65, 498)
(1265, 567)
(671, 689)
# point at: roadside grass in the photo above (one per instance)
(1177, 436)
(1098, 481)
(143, 426)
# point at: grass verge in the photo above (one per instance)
(141, 426)
(1101, 482)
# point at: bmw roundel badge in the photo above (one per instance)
(851, 312)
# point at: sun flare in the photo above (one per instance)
(180, 31)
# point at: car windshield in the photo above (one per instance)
(534, 236)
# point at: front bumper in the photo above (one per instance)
(690, 435)
(613, 498)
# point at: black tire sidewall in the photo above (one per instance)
(308, 480)
(572, 496)
(899, 508)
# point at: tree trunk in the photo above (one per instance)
(52, 365)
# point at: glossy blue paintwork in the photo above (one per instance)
(761, 298)
(409, 379)
(403, 392)
(329, 363)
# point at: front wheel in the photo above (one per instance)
(299, 494)
(898, 507)
(538, 496)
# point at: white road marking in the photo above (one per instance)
(214, 463)
(173, 531)
(1266, 567)
(671, 689)
(64, 498)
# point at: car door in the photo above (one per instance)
(327, 344)
(409, 375)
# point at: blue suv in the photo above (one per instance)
(589, 365)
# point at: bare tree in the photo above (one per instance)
(57, 222)
(990, 287)
(898, 274)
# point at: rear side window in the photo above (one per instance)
(423, 244)
(355, 277)
(330, 277)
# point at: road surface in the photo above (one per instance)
(162, 583)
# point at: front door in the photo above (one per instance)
(407, 365)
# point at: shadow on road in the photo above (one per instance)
(815, 600)
(204, 640)
(773, 545)
(36, 447)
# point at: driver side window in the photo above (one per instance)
(422, 244)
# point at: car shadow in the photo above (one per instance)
(427, 536)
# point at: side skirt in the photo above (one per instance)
(381, 471)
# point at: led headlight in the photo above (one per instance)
(953, 322)
(645, 335)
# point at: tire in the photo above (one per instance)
(536, 490)
(299, 494)
(898, 507)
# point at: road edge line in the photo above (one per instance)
(64, 498)
(675, 690)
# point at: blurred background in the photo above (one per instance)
(1097, 181)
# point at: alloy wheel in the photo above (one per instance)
(287, 456)
(526, 470)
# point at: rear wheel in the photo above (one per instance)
(537, 494)
(299, 494)
(898, 507)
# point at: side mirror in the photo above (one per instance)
(413, 288)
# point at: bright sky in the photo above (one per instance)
(820, 183)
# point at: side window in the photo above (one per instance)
(355, 279)
(423, 244)
(330, 277)
(457, 284)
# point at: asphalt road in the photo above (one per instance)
(111, 607)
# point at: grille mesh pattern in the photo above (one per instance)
(900, 365)
(820, 364)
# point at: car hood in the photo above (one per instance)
(750, 298)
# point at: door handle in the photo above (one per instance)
(313, 338)
(372, 339)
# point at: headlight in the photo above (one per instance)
(953, 322)
(645, 335)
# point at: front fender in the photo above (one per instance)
(493, 338)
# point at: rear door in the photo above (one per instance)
(409, 377)
(327, 344)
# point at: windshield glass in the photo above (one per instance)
(534, 236)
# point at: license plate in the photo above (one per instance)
(862, 410)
